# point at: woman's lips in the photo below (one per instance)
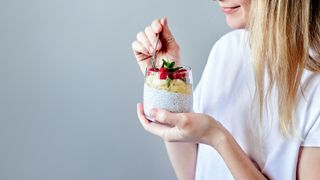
(230, 10)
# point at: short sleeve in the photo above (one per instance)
(215, 68)
(312, 135)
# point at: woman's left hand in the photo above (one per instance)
(182, 127)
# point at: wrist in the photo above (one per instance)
(219, 137)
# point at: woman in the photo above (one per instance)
(257, 106)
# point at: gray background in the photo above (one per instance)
(69, 85)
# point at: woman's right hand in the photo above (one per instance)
(143, 47)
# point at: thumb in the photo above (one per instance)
(166, 32)
(164, 117)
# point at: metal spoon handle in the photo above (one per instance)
(154, 55)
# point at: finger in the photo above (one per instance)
(142, 55)
(143, 61)
(174, 135)
(154, 128)
(164, 21)
(143, 120)
(142, 58)
(143, 39)
(138, 48)
(156, 26)
(165, 117)
(152, 36)
(166, 34)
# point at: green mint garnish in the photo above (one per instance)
(168, 81)
(169, 65)
(176, 69)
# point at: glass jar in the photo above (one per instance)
(172, 91)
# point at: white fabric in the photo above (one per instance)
(226, 91)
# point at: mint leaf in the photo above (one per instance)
(164, 63)
(168, 81)
(175, 69)
(171, 65)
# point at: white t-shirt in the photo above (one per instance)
(226, 91)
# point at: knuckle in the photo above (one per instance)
(140, 34)
(133, 44)
(156, 25)
(154, 22)
(162, 116)
(147, 29)
(145, 127)
(165, 137)
(185, 121)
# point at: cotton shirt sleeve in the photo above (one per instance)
(313, 138)
(312, 135)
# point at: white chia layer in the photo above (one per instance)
(170, 101)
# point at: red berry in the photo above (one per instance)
(163, 73)
(176, 75)
(163, 70)
(181, 70)
(152, 70)
(180, 74)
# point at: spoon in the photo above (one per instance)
(154, 55)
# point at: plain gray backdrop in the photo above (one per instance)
(69, 85)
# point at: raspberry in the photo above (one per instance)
(152, 70)
(176, 75)
(163, 73)
(180, 74)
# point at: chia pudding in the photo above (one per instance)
(168, 89)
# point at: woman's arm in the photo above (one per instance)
(198, 128)
(239, 164)
(309, 163)
(183, 157)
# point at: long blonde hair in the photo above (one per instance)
(282, 34)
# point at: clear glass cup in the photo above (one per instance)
(172, 91)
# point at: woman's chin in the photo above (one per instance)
(234, 23)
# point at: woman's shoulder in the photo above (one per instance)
(227, 63)
(231, 46)
(310, 85)
(234, 36)
(232, 43)
(308, 110)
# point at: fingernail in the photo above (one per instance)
(164, 21)
(153, 112)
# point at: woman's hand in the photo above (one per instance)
(143, 47)
(183, 127)
(200, 128)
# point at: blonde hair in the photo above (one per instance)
(282, 34)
